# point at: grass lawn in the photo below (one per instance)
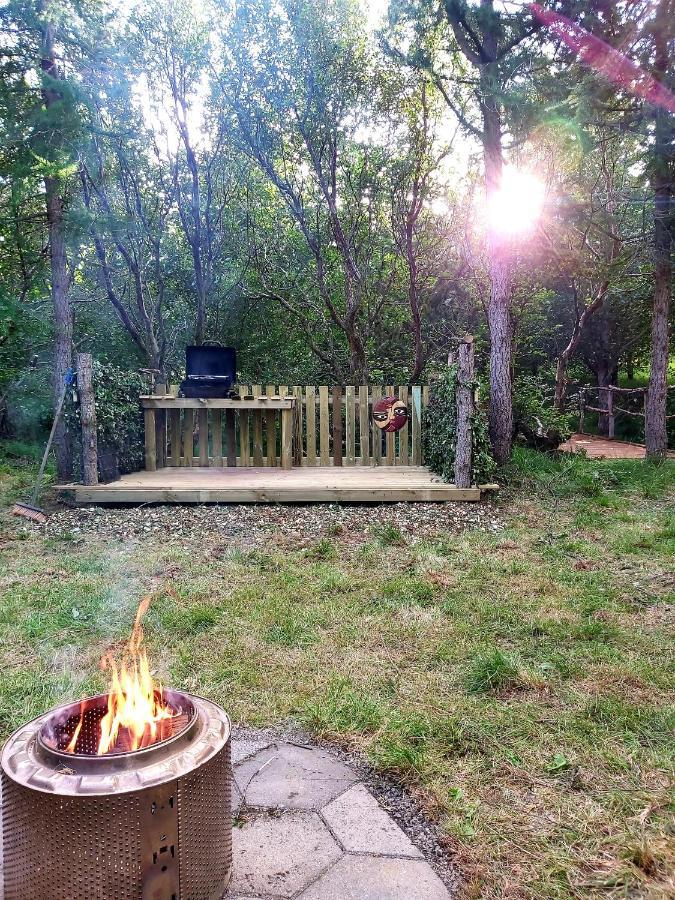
(519, 682)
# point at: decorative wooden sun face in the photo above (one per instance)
(390, 414)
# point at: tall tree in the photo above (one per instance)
(488, 39)
(662, 173)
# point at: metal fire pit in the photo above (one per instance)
(151, 824)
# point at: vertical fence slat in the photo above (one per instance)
(350, 425)
(174, 418)
(310, 405)
(324, 428)
(298, 441)
(188, 427)
(150, 440)
(337, 425)
(256, 390)
(271, 429)
(160, 427)
(390, 435)
(364, 425)
(416, 425)
(376, 393)
(231, 437)
(244, 443)
(217, 436)
(203, 418)
(403, 435)
(425, 403)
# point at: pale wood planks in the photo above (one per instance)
(390, 436)
(244, 440)
(403, 435)
(203, 436)
(346, 432)
(217, 436)
(364, 426)
(337, 425)
(310, 403)
(350, 426)
(416, 425)
(188, 438)
(376, 434)
(261, 484)
(324, 425)
(256, 390)
(271, 429)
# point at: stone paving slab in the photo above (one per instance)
(361, 825)
(292, 777)
(377, 878)
(309, 830)
(279, 855)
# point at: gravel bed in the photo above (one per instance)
(425, 834)
(254, 525)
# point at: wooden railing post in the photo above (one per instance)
(464, 399)
(337, 425)
(582, 409)
(610, 413)
(85, 390)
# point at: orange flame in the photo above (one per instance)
(135, 704)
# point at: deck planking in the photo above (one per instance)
(264, 484)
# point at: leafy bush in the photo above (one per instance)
(441, 432)
(119, 418)
(535, 418)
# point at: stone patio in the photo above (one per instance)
(307, 828)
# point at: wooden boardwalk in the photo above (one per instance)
(370, 484)
(597, 447)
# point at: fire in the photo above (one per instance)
(135, 705)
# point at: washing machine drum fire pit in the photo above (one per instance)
(149, 824)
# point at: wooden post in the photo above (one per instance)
(464, 404)
(85, 390)
(160, 425)
(150, 441)
(287, 438)
(337, 425)
(610, 413)
(582, 409)
(231, 436)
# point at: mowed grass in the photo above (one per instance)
(519, 683)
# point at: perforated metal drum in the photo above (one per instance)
(151, 824)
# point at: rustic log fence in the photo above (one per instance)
(611, 410)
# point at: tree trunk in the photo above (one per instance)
(656, 437)
(63, 319)
(465, 402)
(85, 390)
(499, 319)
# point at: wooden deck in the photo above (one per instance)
(306, 484)
(597, 447)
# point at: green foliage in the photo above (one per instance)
(535, 418)
(441, 432)
(491, 671)
(119, 418)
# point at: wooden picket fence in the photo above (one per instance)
(242, 437)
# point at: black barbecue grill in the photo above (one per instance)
(210, 371)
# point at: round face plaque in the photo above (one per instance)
(390, 414)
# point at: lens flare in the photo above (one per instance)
(516, 205)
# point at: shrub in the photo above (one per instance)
(535, 418)
(119, 418)
(441, 433)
